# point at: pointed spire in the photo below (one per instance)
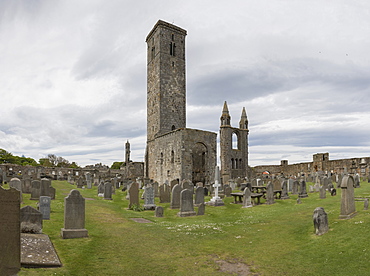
(225, 117)
(243, 123)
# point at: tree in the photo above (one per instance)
(116, 165)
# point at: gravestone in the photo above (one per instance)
(31, 220)
(164, 193)
(52, 192)
(35, 190)
(316, 187)
(158, 211)
(186, 204)
(348, 207)
(322, 192)
(80, 182)
(173, 183)
(366, 204)
(108, 191)
(16, 184)
(311, 189)
(187, 184)
(277, 184)
(216, 200)
(247, 198)
(284, 190)
(299, 201)
(357, 181)
(10, 234)
(201, 209)
(101, 189)
(156, 189)
(290, 184)
(340, 177)
(149, 203)
(302, 190)
(228, 190)
(325, 182)
(74, 216)
(295, 187)
(199, 196)
(44, 207)
(270, 194)
(44, 186)
(320, 221)
(134, 195)
(175, 197)
(26, 186)
(88, 180)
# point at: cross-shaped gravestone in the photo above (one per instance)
(216, 200)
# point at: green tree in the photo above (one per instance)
(116, 165)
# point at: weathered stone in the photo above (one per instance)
(295, 187)
(108, 191)
(199, 196)
(149, 203)
(247, 198)
(164, 193)
(284, 190)
(134, 195)
(186, 204)
(101, 189)
(35, 190)
(52, 192)
(228, 190)
(187, 184)
(31, 220)
(88, 180)
(44, 207)
(44, 187)
(302, 190)
(10, 246)
(366, 204)
(26, 186)
(322, 192)
(158, 211)
(74, 216)
(320, 221)
(299, 201)
(175, 197)
(348, 207)
(201, 209)
(270, 194)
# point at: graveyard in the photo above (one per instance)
(266, 239)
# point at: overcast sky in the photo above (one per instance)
(73, 75)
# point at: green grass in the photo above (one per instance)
(273, 239)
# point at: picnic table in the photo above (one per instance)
(238, 197)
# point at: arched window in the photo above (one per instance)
(235, 142)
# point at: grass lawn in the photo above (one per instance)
(273, 239)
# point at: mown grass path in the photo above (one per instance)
(273, 239)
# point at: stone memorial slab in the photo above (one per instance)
(31, 220)
(187, 184)
(74, 216)
(302, 190)
(44, 187)
(35, 190)
(199, 196)
(348, 207)
(186, 204)
(44, 207)
(108, 191)
(284, 190)
(320, 221)
(149, 203)
(158, 212)
(228, 190)
(295, 187)
(134, 194)
(164, 193)
(175, 197)
(201, 209)
(26, 186)
(366, 204)
(322, 192)
(38, 251)
(88, 180)
(247, 198)
(10, 234)
(270, 194)
(101, 189)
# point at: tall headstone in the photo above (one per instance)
(149, 203)
(186, 204)
(134, 195)
(10, 235)
(199, 196)
(320, 221)
(80, 182)
(31, 220)
(201, 209)
(348, 207)
(284, 190)
(340, 177)
(216, 200)
(303, 190)
(44, 186)
(44, 207)
(101, 189)
(270, 194)
(74, 216)
(26, 186)
(173, 183)
(108, 191)
(366, 204)
(15, 183)
(175, 197)
(295, 187)
(156, 189)
(357, 181)
(187, 184)
(228, 190)
(247, 198)
(164, 193)
(88, 180)
(35, 190)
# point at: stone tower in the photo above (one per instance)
(127, 154)
(233, 146)
(166, 91)
(173, 152)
